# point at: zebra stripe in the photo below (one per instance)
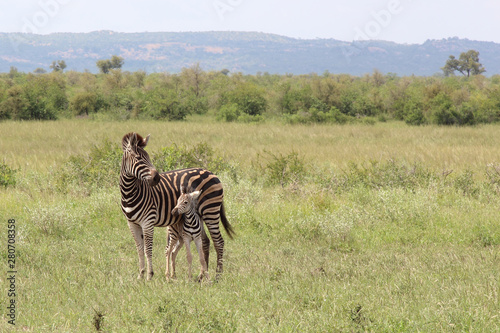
(148, 198)
(191, 230)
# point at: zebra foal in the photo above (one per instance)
(181, 233)
(148, 198)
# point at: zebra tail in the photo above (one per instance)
(229, 229)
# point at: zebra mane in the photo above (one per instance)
(133, 139)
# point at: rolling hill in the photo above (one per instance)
(246, 52)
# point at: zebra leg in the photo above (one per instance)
(206, 245)
(213, 228)
(203, 263)
(148, 231)
(168, 252)
(139, 243)
(189, 257)
(177, 246)
(172, 239)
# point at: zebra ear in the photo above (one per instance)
(144, 142)
(194, 195)
(183, 189)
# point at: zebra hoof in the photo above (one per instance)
(203, 276)
(150, 276)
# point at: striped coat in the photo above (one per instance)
(148, 197)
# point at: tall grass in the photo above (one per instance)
(40, 145)
(379, 228)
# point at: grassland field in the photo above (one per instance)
(382, 228)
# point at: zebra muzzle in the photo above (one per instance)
(175, 212)
(155, 178)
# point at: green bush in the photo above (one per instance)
(44, 97)
(493, 176)
(283, 169)
(13, 104)
(444, 112)
(413, 113)
(163, 103)
(85, 103)
(315, 115)
(228, 112)
(87, 172)
(292, 99)
(249, 98)
(247, 118)
(388, 174)
(466, 184)
(200, 156)
(7, 175)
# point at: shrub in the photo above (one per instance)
(249, 98)
(52, 220)
(465, 183)
(443, 112)
(228, 112)
(389, 174)
(99, 168)
(413, 113)
(200, 156)
(283, 169)
(493, 176)
(317, 116)
(246, 118)
(293, 99)
(163, 103)
(7, 175)
(44, 97)
(13, 104)
(84, 103)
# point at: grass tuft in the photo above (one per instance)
(98, 320)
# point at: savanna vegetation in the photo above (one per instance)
(350, 228)
(114, 94)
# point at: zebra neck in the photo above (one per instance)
(131, 188)
(192, 218)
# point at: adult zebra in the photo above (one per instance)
(148, 197)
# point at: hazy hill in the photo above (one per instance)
(247, 52)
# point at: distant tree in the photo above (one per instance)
(467, 64)
(39, 70)
(84, 103)
(249, 97)
(106, 65)
(58, 66)
(116, 62)
(225, 71)
(14, 104)
(193, 78)
(13, 72)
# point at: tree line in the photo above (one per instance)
(313, 98)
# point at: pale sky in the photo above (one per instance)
(402, 21)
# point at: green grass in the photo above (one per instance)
(360, 243)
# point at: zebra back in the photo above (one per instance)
(168, 190)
